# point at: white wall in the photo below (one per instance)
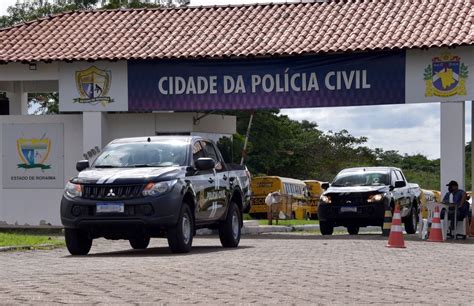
(132, 125)
(22, 72)
(31, 206)
(217, 124)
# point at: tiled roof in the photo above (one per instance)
(246, 30)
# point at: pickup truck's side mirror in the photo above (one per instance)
(400, 184)
(204, 163)
(82, 165)
(325, 186)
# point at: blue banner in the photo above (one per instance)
(259, 83)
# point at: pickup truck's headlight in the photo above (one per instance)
(155, 189)
(375, 198)
(73, 190)
(326, 199)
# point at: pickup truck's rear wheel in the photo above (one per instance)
(180, 237)
(229, 231)
(139, 243)
(411, 221)
(326, 227)
(78, 242)
(353, 230)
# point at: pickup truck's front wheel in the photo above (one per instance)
(229, 231)
(139, 243)
(326, 227)
(180, 237)
(78, 242)
(353, 230)
(411, 221)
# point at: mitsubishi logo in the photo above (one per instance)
(111, 193)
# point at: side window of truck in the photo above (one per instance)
(211, 152)
(400, 175)
(198, 152)
(394, 178)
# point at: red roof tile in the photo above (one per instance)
(247, 30)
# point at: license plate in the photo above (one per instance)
(110, 208)
(348, 209)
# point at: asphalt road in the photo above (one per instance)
(278, 268)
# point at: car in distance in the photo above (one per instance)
(162, 186)
(359, 197)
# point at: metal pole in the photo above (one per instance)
(244, 151)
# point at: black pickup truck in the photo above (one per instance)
(359, 197)
(145, 187)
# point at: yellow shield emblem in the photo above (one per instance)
(33, 152)
(93, 85)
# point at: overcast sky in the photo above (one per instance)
(4, 4)
(411, 129)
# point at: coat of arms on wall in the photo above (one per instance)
(33, 152)
(446, 76)
(93, 86)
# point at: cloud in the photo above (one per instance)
(407, 128)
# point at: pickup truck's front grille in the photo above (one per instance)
(349, 200)
(111, 192)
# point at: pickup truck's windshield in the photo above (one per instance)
(142, 154)
(364, 178)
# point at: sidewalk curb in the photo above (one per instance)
(28, 247)
(252, 227)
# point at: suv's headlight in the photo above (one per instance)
(375, 198)
(73, 190)
(325, 199)
(154, 189)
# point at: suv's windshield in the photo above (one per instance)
(362, 178)
(142, 154)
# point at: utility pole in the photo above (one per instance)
(244, 151)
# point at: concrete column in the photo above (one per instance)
(472, 151)
(18, 99)
(94, 128)
(452, 144)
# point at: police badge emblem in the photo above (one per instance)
(93, 85)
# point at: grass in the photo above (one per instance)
(247, 217)
(289, 222)
(27, 239)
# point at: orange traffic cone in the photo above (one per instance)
(435, 233)
(395, 240)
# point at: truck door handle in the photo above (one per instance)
(210, 180)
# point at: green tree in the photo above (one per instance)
(43, 104)
(468, 162)
(24, 12)
(116, 4)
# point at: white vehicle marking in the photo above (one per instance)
(214, 209)
(102, 180)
